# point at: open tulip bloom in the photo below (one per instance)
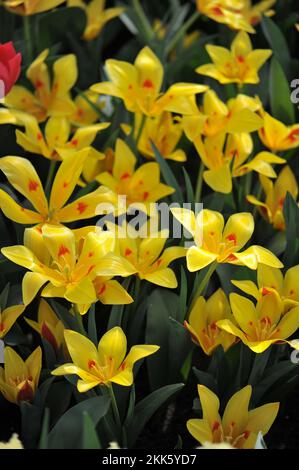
(103, 365)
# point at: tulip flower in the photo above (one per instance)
(215, 242)
(146, 254)
(215, 117)
(96, 16)
(238, 426)
(23, 177)
(139, 86)
(164, 132)
(51, 97)
(261, 325)
(8, 317)
(27, 8)
(232, 161)
(103, 365)
(10, 67)
(19, 379)
(142, 186)
(239, 65)
(272, 280)
(48, 325)
(56, 141)
(227, 12)
(71, 267)
(276, 136)
(202, 323)
(272, 208)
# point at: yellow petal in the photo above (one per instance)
(244, 312)
(261, 419)
(236, 412)
(210, 405)
(81, 349)
(248, 287)
(65, 74)
(162, 277)
(150, 70)
(31, 284)
(200, 430)
(113, 344)
(241, 226)
(17, 213)
(112, 293)
(198, 258)
(219, 180)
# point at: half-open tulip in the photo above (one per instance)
(275, 193)
(261, 325)
(239, 65)
(272, 279)
(227, 12)
(237, 426)
(103, 365)
(202, 322)
(10, 67)
(19, 379)
(277, 136)
(141, 186)
(8, 317)
(215, 242)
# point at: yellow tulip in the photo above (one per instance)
(139, 86)
(271, 279)
(71, 268)
(203, 319)
(19, 379)
(8, 317)
(232, 161)
(51, 97)
(139, 186)
(30, 7)
(215, 242)
(239, 65)
(272, 208)
(103, 365)
(164, 131)
(276, 136)
(24, 178)
(227, 12)
(146, 254)
(48, 325)
(237, 426)
(215, 117)
(263, 324)
(96, 16)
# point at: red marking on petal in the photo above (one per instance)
(217, 11)
(159, 261)
(48, 335)
(265, 291)
(241, 59)
(125, 176)
(91, 364)
(246, 434)
(90, 268)
(74, 142)
(232, 237)
(148, 84)
(1, 327)
(145, 195)
(128, 252)
(90, 254)
(81, 207)
(266, 320)
(63, 250)
(102, 289)
(33, 185)
(123, 366)
(213, 326)
(294, 135)
(26, 393)
(216, 426)
(39, 136)
(232, 258)
(39, 84)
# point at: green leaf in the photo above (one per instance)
(90, 438)
(189, 188)
(67, 433)
(281, 106)
(92, 326)
(43, 442)
(277, 42)
(291, 215)
(145, 409)
(183, 295)
(168, 176)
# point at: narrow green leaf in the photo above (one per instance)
(168, 176)
(281, 106)
(277, 42)
(90, 439)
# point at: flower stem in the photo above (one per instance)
(180, 34)
(116, 415)
(204, 283)
(28, 38)
(199, 183)
(50, 177)
(144, 23)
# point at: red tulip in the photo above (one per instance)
(10, 66)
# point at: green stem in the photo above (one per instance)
(50, 177)
(143, 119)
(180, 34)
(144, 23)
(204, 283)
(79, 320)
(28, 39)
(117, 416)
(199, 183)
